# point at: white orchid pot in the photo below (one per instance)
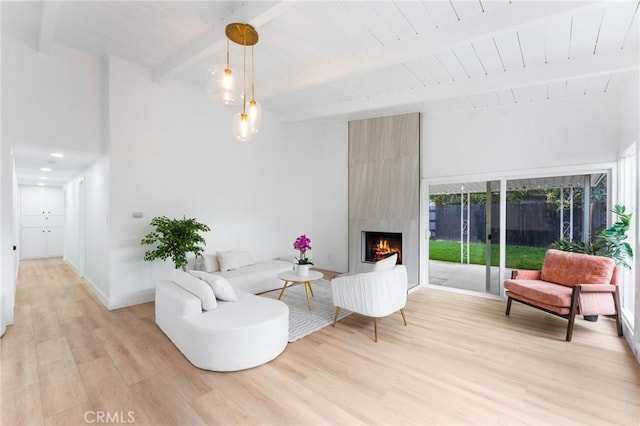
(302, 270)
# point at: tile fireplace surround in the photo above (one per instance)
(384, 186)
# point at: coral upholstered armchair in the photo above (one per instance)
(568, 284)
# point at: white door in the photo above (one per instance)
(34, 243)
(55, 242)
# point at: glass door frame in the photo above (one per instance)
(610, 168)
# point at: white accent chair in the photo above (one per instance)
(374, 294)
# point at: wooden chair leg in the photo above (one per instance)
(375, 329)
(616, 303)
(573, 311)
(335, 317)
(404, 318)
(509, 300)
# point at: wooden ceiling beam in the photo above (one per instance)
(214, 40)
(499, 20)
(593, 65)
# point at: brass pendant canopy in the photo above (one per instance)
(242, 34)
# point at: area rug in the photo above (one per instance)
(303, 321)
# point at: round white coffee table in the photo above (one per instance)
(292, 277)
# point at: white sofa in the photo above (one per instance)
(220, 335)
(239, 268)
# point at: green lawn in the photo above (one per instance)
(517, 257)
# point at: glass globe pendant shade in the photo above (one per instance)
(254, 112)
(241, 127)
(221, 85)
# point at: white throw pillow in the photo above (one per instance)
(211, 262)
(219, 284)
(386, 263)
(196, 287)
(228, 261)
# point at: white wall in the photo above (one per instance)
(96, 181)
(7, 282)
(55, 99)
(629, 111)
(71, 253)
(330, 189)
(171, 153)
(520, 137)
(629, 133)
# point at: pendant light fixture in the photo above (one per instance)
(222, 85)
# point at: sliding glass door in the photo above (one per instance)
(465, 225)
(463, 236)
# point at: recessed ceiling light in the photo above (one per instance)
(43, 177)
(41, 184)
(57, 155)
(45, 169)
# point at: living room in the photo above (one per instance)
(166, 148)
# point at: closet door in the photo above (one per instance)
(42, 221)
(34, 243)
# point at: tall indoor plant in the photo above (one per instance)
(175, 238)
(610, 242)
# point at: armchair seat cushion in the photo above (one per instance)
(541, 291)
(557, 309)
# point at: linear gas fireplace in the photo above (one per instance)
(379, 245)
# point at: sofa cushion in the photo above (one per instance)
(259, 277)
(575, 268)
(228, 261)
(219, 284)
(197, 287)
(211, 262)
(538, 304)
(541, 291)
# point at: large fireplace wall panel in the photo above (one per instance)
(384, 186)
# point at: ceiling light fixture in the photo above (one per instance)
(45, 169)
(222, 85)
(57, 155)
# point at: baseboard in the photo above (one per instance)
(102, 298)
(136, 298)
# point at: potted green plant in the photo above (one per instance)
(609, 242)
(175, 238)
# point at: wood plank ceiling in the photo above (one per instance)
(341, 60)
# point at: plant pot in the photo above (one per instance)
(302, 270)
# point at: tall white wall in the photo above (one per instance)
(630, 133)
(330, 192)
(96, 181)
(55, 100)
(171, 152)
(520, 137)
(629, 111)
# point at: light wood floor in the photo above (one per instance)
(459, 361)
